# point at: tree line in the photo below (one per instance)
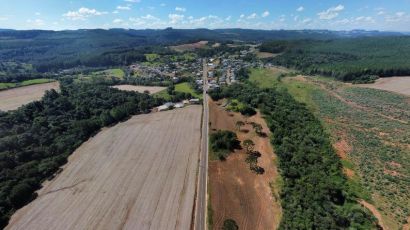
(315, 194)
(36, 139)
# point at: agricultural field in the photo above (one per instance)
(139, 174)
(13, 98)
(189, 47)
(236, 192)
(370, 131)
(394, 84)
(140, 89)
(24, 83)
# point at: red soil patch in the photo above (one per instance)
(375, 213)
(407, 226)
(237, 192)
(348, 172)
(342, 148)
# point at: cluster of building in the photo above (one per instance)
(171, 105)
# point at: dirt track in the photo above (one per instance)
(140, 89)
(13, 98)
(140, 174)
(394, 84)
(237, 192)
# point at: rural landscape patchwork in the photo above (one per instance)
(205, 115)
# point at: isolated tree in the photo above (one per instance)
(239, 124)
(230, 224)
(258, 129)
(249, 145)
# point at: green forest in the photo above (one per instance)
(315, 194)
(36, 139)
(358, 60)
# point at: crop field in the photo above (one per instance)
(370, 131)
(13, 98)
(139, 174)
(394, 84)
(189, 47)
(235, 191)
(140, 89)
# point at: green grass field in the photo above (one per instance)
(186, 88)
(24, 83)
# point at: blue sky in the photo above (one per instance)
(392, 15)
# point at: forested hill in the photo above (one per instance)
(53, 50)
(358, 60)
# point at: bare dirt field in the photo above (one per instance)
(236, 192)
(265, 55)
(139, 174)
(394, 84)
(140, 89)
(189, 47)
(13, 98)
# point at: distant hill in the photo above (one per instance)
(69, 48)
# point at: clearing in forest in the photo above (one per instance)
(394, 84)
(139, 174)
(189, 47)
(13, 98)
(236, 192)
(140, 88)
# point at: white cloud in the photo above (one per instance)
(365, 19)
(265, 14)
(306, 20)
(162, 4)
(115, 12)
(331, 13)
(127, 7)
(381, 12)
(228, 18)
(37, 13)
(242, 16)
(83, 13)
(133, 1)
(117, 20)
(300, 9)
(149, 17)
(3, 18)
(252, 16)
(36, 22)
(397, 17)
(175, 18)
(180, 9)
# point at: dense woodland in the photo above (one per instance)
(355, 60)
(56, 50)
(36, 139)
(315, 194)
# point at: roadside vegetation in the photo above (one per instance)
(36, 139)
(222, 143)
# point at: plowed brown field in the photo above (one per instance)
(13, 98)
(236, 192)
(140, 174)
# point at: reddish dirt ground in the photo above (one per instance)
(236, 192)
(375, 213)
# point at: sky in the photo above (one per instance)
(386, 15)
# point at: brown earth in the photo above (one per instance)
(189, 47)
(236, 192)
(11, 99)
(139, 174)
(140, 88)
(375, 213)
(394, 84)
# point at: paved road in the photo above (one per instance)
(201, 199)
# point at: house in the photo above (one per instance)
(166, 106)
(194, 101)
